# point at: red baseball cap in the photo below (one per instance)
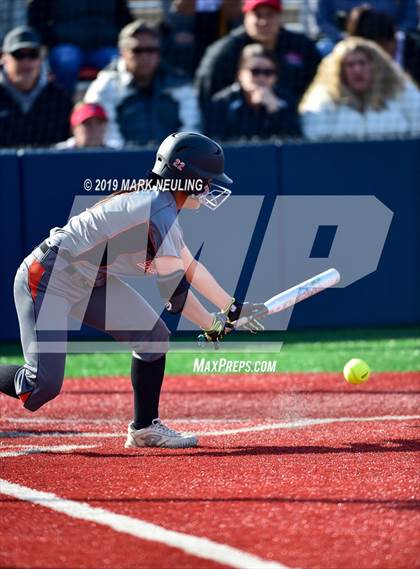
(249, 5)
(86, 111)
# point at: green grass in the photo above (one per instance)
(385, 349)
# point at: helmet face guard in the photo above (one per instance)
(214, 197)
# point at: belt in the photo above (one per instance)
(44, 248)
(64, 254)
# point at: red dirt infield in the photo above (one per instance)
(293, 471)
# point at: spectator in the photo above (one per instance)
(78, 33)
(372, 25)
(379, 27)
(411, 54)
(359, 92)
(213, 18)
(331, 12)
(34, 111)
(145, 100)
(190, 26)
(88, 122)
(178, 37)
(251, 107)
(296, 54)
(12, 15)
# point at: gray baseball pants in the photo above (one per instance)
(47, 293)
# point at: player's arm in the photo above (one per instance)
(206, 284)
(174, 289)
(203, 281)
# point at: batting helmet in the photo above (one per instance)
(193, 156)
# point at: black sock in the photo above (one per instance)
(146, 379)
(7, 379)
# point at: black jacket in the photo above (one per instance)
(46, 123)
(412, 55)
(89, 24)
(297, 56)
(149, 115)
(230, 117)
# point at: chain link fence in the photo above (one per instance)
(262, 70)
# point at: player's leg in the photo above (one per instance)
(146, 379)
(40, 378)
(131, 320)
(122, 312)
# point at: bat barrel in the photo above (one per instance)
(297, 293)
(304, 290)
(292, 296)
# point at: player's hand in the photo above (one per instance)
(248, 310)
(218, 329)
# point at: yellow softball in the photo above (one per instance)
(356, 371)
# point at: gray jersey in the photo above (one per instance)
(123, 233)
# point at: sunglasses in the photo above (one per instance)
(21, 54)
(259, 71)
(141, 50)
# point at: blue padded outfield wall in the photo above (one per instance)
(11, 233)
(38, 189)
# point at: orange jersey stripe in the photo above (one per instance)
(36, 270)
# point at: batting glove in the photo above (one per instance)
(219, 328)
(236, 310)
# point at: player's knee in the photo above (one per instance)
(40, 395)
(160, 337)
(156, 345)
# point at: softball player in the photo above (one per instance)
(77, 271)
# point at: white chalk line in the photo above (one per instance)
(300, 423)
(46, 420)
(27, 449)
(201, 547)
(52, 434)
(297, 424)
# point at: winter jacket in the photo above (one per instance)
(411, 55)
(147, 115)
(39, 118)
(297, 56)
(89, 24)
(231, 117)
(323, 119)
